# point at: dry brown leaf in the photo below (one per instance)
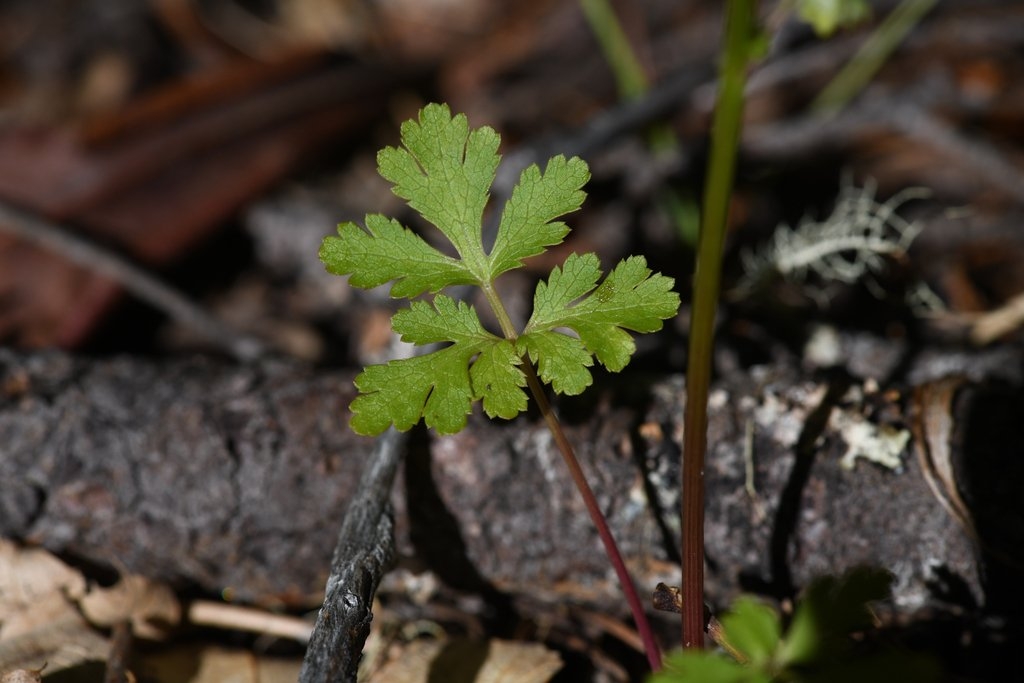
(35, 588)
(197, 664)
(39, 621)
(22, 676)
(494, 661)
(151, 607)
(933, 424)
(519, 663)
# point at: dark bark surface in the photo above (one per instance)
(365, 550)
(230, 478)
(236, 478)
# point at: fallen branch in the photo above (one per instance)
(365, 550)
(140, 283)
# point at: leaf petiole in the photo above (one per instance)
(611, 548)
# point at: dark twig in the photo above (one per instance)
(882, 111)
(120, 650)
(140, 283)
(693, 85)
(659, 103)
(921, 125)
(364, 552)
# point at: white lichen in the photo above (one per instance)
(850, 245)
(880, 444)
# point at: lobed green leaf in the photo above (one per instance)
(753, 628)
(527, 225)
(561, 360)
(444, 321)
(577, 277)
(498, 382)
(435, 387)
(440, 387)
(630, 298)
(386, 251)
(445, 172)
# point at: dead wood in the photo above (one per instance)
(194, 472)
(233, 478)
(365, 550)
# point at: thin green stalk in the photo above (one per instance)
(630, 77)
(498, 308)
(739, 30)
(859, 71)
(629, 74)
(632, 82)
(611, 548)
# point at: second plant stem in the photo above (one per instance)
(739, 29)
(611, 549)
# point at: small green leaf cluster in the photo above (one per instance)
(816, 647)
(445, 171)
(828, 16)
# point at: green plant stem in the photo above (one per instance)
(739, 28)
(504, 321)
(859, 71)
(629, 74)
(632, 82)
(611, 548)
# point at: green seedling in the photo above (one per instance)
(828, 16)
(445, 171)
(818, 645)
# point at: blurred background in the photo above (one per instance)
(168, 169)
(213, 143)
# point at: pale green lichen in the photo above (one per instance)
(852, 244)
(881, 444)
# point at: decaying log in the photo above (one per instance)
(234, 479)
(230, 478)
